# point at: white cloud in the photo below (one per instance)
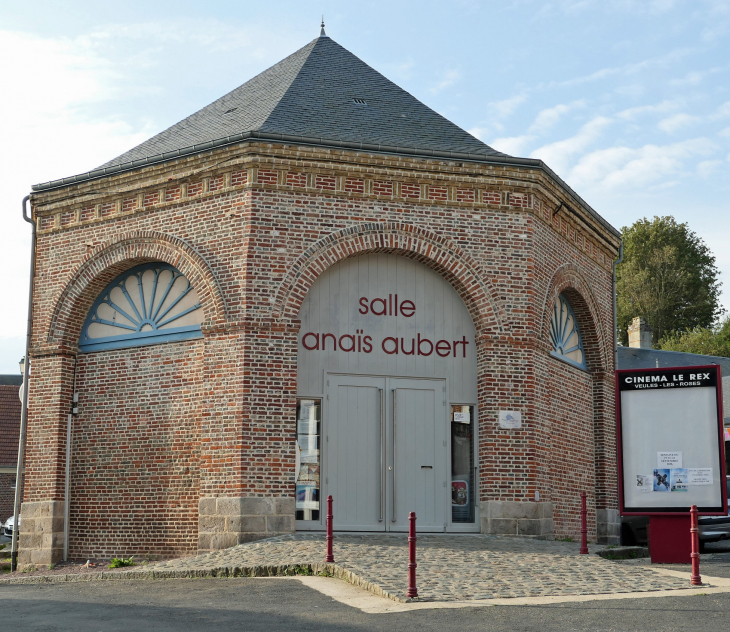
(724, 133)
(479, 132)
(548, 117)
(630, 114)
(49, 134)
(450, 77)
(620, 167)
(694, 77)
(723, 111)
(673, 123)
(558, 154)
(707, 168)
(514, 146)
(505, 107)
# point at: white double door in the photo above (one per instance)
(385, 452)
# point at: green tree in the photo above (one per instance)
(668, 276)
(705, 340)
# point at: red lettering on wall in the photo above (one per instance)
(366, 341)
(395, 342)
(316, 343)
(407, 306)
(383, 303)
(363, 305)
(352, 340)
(324, 341)
(420, 342)
(443, 346)
(413, 347)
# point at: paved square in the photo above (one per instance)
(450, 567)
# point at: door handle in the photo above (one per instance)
(382, 455)
(395, 414)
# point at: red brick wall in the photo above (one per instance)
(136, 445)
(7, 496)
(252, 250)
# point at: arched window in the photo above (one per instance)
(146, 305)
(565, 334)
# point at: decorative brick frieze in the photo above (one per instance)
(325, 183)
(267, 176)
(195, 188)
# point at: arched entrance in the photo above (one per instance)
(387, 392)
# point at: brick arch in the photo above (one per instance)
(437, 252)
(105, 262)
(569, 281)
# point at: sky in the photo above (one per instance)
(627, 100)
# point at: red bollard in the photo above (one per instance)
(694, 530)
(583, 525)
(330, 557)
(412, 590)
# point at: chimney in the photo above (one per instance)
(640, 334)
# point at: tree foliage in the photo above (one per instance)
(704, 340)
(668, 276)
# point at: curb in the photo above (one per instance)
(286, 570)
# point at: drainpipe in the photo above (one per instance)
(24, 411)
(615, 318)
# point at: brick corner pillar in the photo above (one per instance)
(248, 435)
(608, 519)
(40, 541)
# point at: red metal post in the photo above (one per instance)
(694, 530)
(330, 557)
(583, 525)
(412, 590)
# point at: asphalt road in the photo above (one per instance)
(284, 604)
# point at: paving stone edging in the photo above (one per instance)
(287, 570)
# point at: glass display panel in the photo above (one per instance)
(309, 421)
(462, 463)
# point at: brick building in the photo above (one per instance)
(9, 433)
(316, 285)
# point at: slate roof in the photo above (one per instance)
(9, 425)
(321, 95)
(321, 91)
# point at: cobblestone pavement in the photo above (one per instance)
(450, 568)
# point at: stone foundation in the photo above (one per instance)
(224, 522)
(608, 526)
(509, 517)
(41, 533)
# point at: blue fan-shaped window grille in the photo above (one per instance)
(565, 334)
(146, 305)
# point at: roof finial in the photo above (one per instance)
(322, 33)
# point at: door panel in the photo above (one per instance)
(353, 451)
(385, 452)
(419, 453)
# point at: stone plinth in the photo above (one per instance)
(224, 521)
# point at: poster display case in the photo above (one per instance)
(309, 422)
(670, 441)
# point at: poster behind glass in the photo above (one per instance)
(462, 464)
(309, 417)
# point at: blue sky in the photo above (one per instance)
(628, 101)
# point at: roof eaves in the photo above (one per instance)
(486, 158)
